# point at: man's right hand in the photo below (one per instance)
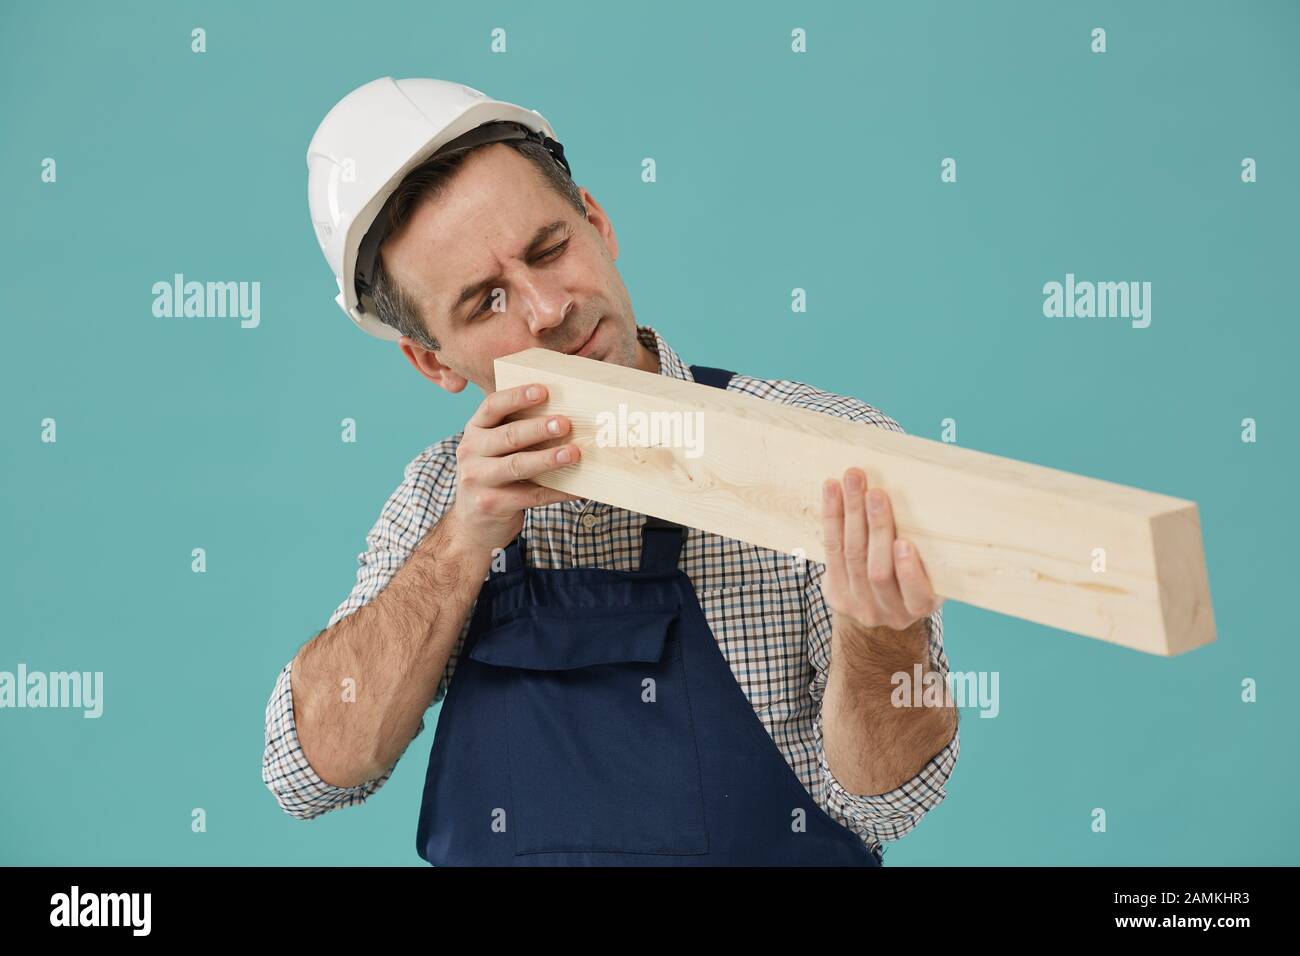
(494, 468)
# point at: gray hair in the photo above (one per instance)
(394, 305)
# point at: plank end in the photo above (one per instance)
(1185, 606)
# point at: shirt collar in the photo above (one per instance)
(669, 363)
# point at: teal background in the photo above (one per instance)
(775, 171)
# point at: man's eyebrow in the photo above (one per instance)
(475, 289)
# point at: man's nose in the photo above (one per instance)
(545, 303)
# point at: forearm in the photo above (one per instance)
(395, 650)
(872, 745)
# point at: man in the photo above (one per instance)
(617, 690)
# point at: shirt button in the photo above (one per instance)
(589, 521)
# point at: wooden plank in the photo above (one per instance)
(1006, 535)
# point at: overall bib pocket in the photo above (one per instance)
(602, 747)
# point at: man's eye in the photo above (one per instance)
(548, 254)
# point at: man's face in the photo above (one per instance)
(501, 233)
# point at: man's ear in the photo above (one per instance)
(600, 221)
(428, 365)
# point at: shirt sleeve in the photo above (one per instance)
(886, 816)
(423, 496)
(876, 817)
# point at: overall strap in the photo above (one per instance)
(661, 544)
(514, 553)
(708, 375)
(661, 540)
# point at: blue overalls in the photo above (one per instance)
(593, 720)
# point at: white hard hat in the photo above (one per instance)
(364, 147)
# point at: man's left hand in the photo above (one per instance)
(872, 577)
